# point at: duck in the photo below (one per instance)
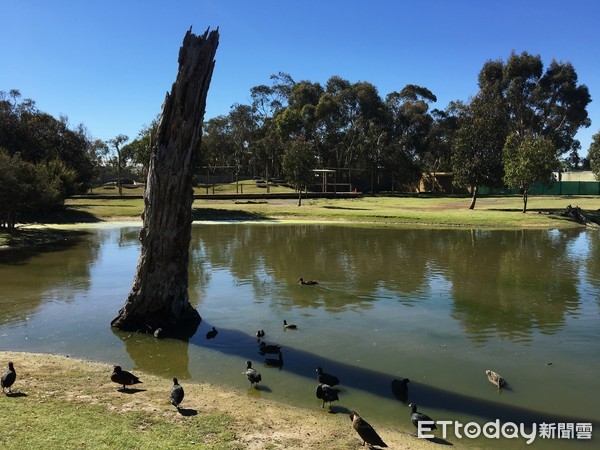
(308, 282)
(366, 432)
(289, 326)
(327, 394)
(252, 374)
(123, 377)
(326, 378)
(212, 333)
(269, 348)
(8, 377)
(495, 379)
(272, 362)
(400, 389)
(176, 393)
(260, 334)
(416, 417)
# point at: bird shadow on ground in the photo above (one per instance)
(337, 409)
(16, 394)
(187, 412)
(439, 441)
(131, 390)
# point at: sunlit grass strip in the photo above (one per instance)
(493, 212)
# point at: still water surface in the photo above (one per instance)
(437, 306)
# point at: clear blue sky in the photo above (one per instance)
(108, 64)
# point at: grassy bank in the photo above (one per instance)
(61, 402)
(490, 212)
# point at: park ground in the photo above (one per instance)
(66, 403)
(543, 212)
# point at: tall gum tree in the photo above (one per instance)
(159, 295)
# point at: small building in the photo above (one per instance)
(576, 175)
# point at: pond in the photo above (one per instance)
(436, 306)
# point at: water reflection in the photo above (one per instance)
(502, 284)
(53, 272)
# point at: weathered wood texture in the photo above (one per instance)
(159, 295)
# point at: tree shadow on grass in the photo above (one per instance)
(345, 208)
(62, 216)
(226, 215)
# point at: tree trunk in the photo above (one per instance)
(300, 197)
(474, 192)
(159, 295)
(524, 200)
(119, 185)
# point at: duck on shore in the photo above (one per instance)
(9, 377)
(177, 393)
(123, 377)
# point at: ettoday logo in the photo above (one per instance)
(508, 430)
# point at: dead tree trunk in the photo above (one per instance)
(159, 295)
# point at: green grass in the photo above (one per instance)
(491, 212)
(428, 211)
(52, 423)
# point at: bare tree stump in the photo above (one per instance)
(159, 295)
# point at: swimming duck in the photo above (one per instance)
(307, 283)
(123, 377)
(416, 417)
(212, 333)
(495, 379)
(400, 389)
(176, 393)
(269, 348)
(289, 326)
(366, 431)
(252, 374)
(275, 362)
(327, 393)
(9, 377)
(260, 334)
(327, 378)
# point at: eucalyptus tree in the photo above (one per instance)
(546, 103)
(267, 101)
(242, 126)
(481, 134)
(528, 160)
(139, 150)
(410, 124)
(39, 138)
(298, 122)
(117, 144)
(594, 155)
(298, 163)
(438, 156)
(218, 147)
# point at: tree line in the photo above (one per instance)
(518, 128)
